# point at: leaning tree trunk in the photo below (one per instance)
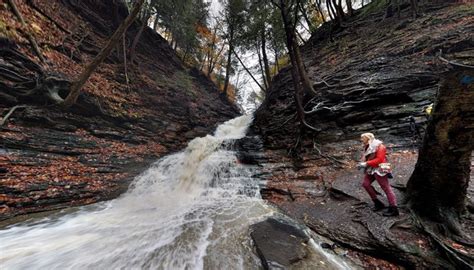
(437, 188)
(265, 57)
(292, 47)
(133, 47)
(307, 84)
(29, 34)
(331, 12)
(89, 69)
(229, 60)
(350, 10)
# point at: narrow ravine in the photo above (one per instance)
(189, 210)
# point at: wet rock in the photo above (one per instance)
(382, 84)
(107, 134)
(279, 243)
(250, 150)
(92, 151)
(326, 245)
(383, 81)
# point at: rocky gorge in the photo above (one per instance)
(378, 74)
(375, 73)
(50, 159)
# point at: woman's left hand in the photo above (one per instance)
(361, 165)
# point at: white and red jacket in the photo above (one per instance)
(375, 154)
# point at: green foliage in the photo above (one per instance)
(180, 18)
(234, 17)
(179, 80)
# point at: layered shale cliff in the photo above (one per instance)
(374, 74)
(51, 158)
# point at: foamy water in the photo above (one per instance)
(189, 210)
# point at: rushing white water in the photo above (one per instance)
(190, 210)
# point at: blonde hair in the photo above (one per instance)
(368, 135)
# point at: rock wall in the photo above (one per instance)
(375, 75)
(50, 158)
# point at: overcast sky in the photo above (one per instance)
(241, 79)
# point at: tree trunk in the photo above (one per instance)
(438, 186)
(124, 45)
(137, 38)
(291, 45)
(294, 74)
(111, 43)
(339, 11)
(262, 70)
(247, 70)
(331, 11)
(350, 10)
(305, 16)
(216, 58)
(265, 58)
(229, 59)
(391, 6)
(29, 34)
(212, 58)
(116, 24)
(275, 51)
(308, 86)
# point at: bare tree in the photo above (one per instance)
(145, 18)
(289, 11)
(111, 43)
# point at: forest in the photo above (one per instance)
(237, 134)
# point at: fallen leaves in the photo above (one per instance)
(33, 176)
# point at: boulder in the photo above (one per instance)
(279, 243)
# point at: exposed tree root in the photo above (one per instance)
(453, 62)
(335, 161)
(10, 112)
(26, 81)
(462, 261)
(284, 122)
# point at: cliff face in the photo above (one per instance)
(376, 75)
(50, 158)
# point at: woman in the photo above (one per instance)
(374, 156)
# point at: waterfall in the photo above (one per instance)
(189, 210)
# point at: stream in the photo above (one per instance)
(189, 210)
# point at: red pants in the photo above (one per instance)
(384, 184)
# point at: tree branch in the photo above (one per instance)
(454, 63)
(30, 36)
(5, 119)
(89, 69)
(248, 71)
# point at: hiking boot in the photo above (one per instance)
(378, 205)
(391, 211)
